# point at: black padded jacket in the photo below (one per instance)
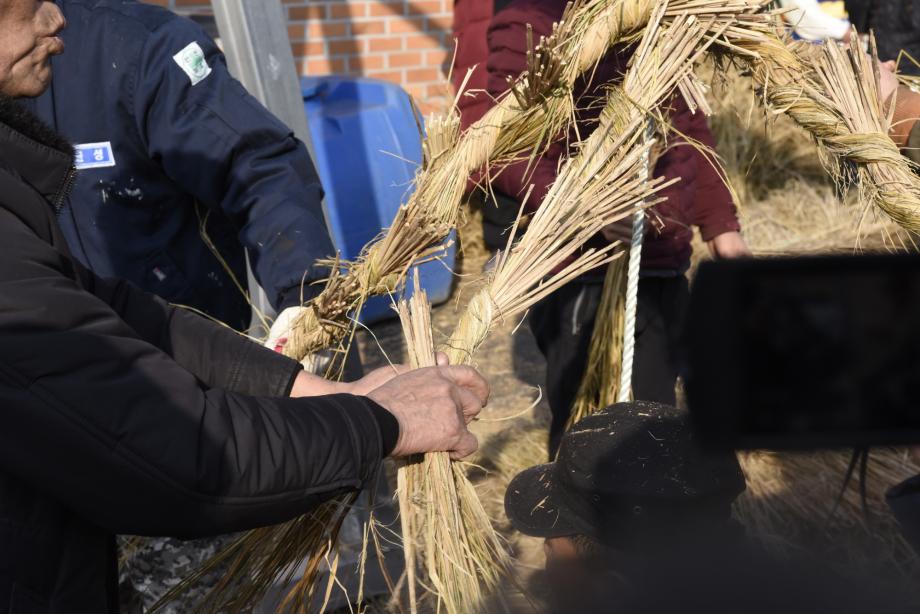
(122, 414)
(896, 24)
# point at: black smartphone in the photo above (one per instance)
(803, 353)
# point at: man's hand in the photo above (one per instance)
(729, 245)
(888, 81)
(309, 385)
(375, 379)
(433, 407)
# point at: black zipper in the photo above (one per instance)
(64, 191)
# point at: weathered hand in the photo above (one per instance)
(888, 80)
(375, 379)
(433, 406)
(729, 245)
(309, 385)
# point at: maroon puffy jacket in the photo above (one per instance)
(700, 198)
(471, 22)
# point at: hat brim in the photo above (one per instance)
(534, 508)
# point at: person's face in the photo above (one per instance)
(28, 39)
(559, 550)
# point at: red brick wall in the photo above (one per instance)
(408, 42)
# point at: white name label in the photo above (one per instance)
(191, 60)
(93, 155)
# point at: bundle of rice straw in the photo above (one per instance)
(790, 506)
(600, 381)
(440, 513)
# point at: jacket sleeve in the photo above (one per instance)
(98, 418)
(214, 353)
(712, 209)
(858, 13)
(222, 146)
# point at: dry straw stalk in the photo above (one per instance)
(598, 387)
(446, 532)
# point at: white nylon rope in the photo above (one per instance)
(624, 391)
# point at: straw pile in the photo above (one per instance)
(791, 497)
(787, 201)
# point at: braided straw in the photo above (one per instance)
(533, 113)
(833, 94)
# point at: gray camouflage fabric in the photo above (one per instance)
(153, 566)
(150, 567)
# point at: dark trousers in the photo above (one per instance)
(498, 216)
(563, 323)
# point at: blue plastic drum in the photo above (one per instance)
(367, 148)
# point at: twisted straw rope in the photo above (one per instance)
(536, 113)
(834, 96)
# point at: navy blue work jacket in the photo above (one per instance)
(168, 144)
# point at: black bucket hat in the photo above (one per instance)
(629, 467)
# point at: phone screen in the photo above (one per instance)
(806, 352)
